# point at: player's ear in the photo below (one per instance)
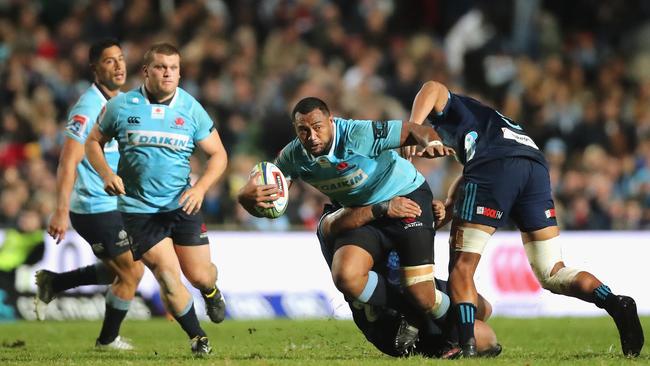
(145, 71)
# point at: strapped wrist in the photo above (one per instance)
(380, 209)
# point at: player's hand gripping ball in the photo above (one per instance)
(270, 174)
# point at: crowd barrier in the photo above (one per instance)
(268, 275)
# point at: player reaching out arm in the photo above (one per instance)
(505, 175)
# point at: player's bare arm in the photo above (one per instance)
(432, 96)
(113, 184)
(192, 199)
(349, 218)
(66, 174)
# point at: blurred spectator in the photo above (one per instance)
(575, 76)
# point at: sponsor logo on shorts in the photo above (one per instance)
(341, 166)
(97, 247)
(123, 239)
(489, 212)
(550, 213)
(204, 228)
(410, 222)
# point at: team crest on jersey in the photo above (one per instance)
(179, 124)
(157, 112)
(77, 124)
(154, 138)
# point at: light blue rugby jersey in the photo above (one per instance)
(360, 169)
(155, 145)
(88, 195)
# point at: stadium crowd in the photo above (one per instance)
(575, 74)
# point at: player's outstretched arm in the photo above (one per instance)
(192, 199)
(426, 138)
(95, 153)
(349, 218)
(432, 96)
(253, 194)
(66, 174)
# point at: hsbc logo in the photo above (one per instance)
(512, 272)
(489, 212)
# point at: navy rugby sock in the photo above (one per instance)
(466, 313)
(94, 274)
(605, 299)
(378, 293)
(189, 322)
(116, 309)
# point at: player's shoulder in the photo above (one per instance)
(185, 99)
(90, 102)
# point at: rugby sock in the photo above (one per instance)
(211, 292)
(378, 293)
(94, 274)
(605, 299)
(466, 313)
(189, 322)
(442, 305)
(116, 309)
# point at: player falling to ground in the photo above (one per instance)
(81, 196)
(506, 176)
(352, 162)
(386, 327)
(158, 125)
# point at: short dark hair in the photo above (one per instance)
(307, 105)
(164, 48)
(96, 49)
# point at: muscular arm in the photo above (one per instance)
(192, 199)
(66, 174)
(349, 218)
(432, 96)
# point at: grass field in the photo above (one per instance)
(569, 341)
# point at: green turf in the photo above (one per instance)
(564, 341)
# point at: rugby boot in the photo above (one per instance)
(468, 350)
(491, 352)
(405, 338)
(119, 344)
(200, 346)
(44, 290)
(629, 327)
(215, 305)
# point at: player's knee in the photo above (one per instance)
(422, 295)
(350, 281)
(545, 257)
(202, 278)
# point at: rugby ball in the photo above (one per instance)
(271, 174)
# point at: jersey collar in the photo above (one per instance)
(143, 90)
(100, 92)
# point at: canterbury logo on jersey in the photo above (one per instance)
(344, 183)
(154, 138)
